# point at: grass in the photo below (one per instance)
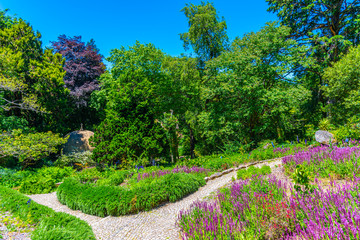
(141, 196)
(49, 225)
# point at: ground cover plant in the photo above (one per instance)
(11, 225)
(251, 171)
(49, 225)
(41, 180)
(259, 208)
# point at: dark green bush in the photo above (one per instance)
(50, 225)
(111, 200)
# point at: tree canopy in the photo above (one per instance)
(207, 31)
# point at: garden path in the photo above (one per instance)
(157, 224)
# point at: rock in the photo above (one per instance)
(228, 170)
(78, 142)
(215, 175)
(324, 137)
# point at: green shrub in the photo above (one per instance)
(29, 148)
(350, 130)
(89, 175)
(249, 172)
(82, 159)
(44, 180)
(115, 179)
(143, 196)
(50, 225)
(11, 178)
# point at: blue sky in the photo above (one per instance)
(116, 23)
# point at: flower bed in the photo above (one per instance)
(260, 209)
(322, 161)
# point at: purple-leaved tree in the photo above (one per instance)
(83, 66)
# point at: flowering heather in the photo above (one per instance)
(328, 214)
(183, 169)
(248, 209)
(260, 209)
(324, 160)
(287, 150)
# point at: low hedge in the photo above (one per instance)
(50, 225)
(112, 200)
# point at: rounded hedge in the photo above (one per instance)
(115, 200)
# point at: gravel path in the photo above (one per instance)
(9, 231)
(157, 224)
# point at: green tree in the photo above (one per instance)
(31, 80)
(251, 92)
(181, 95)
(133, 103)
(207, 32)
(344, 87)
(328, 28)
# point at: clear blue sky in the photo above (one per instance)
(116, 23)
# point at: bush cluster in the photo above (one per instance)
(50, 225)
(34, 182)
(44, 180)
(111, 200)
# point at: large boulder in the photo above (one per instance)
(324, 137)
(78, 142)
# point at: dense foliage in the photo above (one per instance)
(133, 95)
(28, 148)
(207, 33)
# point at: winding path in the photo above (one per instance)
(157, 224)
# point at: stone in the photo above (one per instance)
(215, 175)
(78, 141)
(324, 137)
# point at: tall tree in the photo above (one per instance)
(83, 65)
(133, 103)
(207, 32)
(29, 76)
(182, 96)
(327, 27)
(251, 92)
(344, 87)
